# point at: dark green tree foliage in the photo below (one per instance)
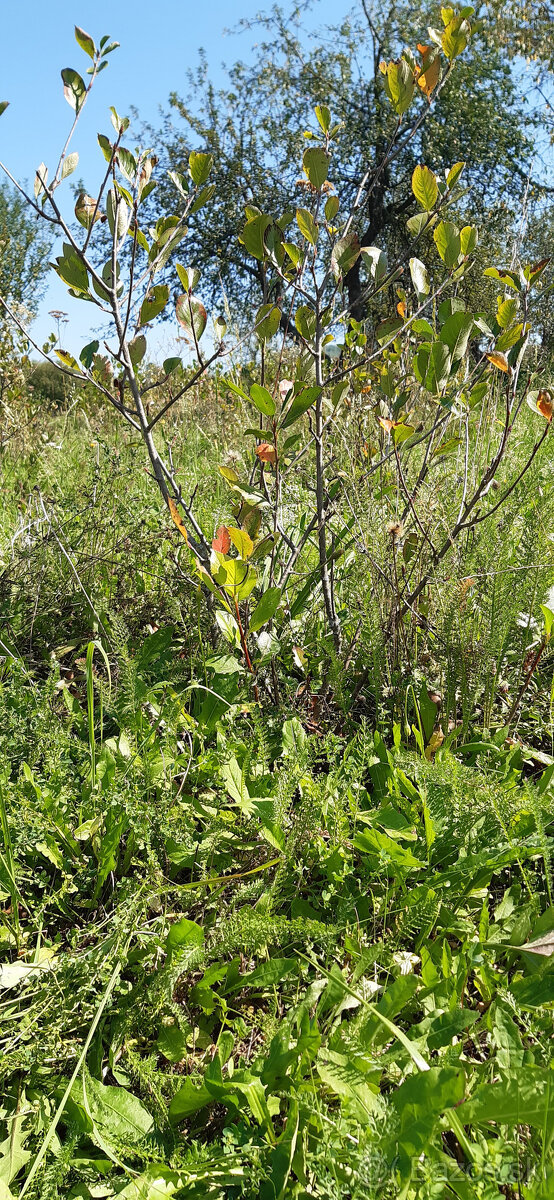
(253, 127)
(24, 252)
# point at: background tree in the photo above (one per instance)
(24, 252)
(253, 128)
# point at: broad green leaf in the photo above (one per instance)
(261, 399)
(157, 1182)
(520, 1097)
(184, 933)
(87, 354)
(300, 404)
(323, 116)
(447, 241)
(456, 37)
(469, 237)
(154, 303)
(74, 88)
(420, 278)
(137, 349)
(188, 1100)
(344, 255)
(200, 166)
(4, 104)
(85, 41)
(399, 85)
(376, 262)
(241, 541)
(265, 609)
(508, 278)
(332, 205)
(268, 319)
(339, 1074)
(454, 174)
(191, 315)
(307, 225)
(72, 270)
(456, 332)
(116, 1111)
(425, 188)
(438, 370)
(316, 165)
(253, 233)
(69, 164)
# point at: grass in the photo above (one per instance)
(275, 950)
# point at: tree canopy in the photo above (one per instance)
(24, 252)
(255, 128)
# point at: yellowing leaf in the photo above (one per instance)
(499, 360)
(401, 309)
(177, 518)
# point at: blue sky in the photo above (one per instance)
(159, 40)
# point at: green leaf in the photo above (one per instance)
(438, 370)
(454, 174)
(200, 166)
(116, 1111)
(332, 205)
(191, 315)
(307, 225)
(524, 1096)
(420, 278)
(4, 104)
(316, 165)
(265, 609)
(386, 849)
(188, 1100)
(261, 399)
(305, 321)
(69, 164)
(456, 37)
(85, 41)
(268, 320)
(508, 278)
(154, 303)
(376, 262)
(399, 85)
(74, 88)
(241, 541)
(184, 933)
(300, 404)
(469, 237)
(447, 241)
(87, 354)
(323, 116)
(137, 349)
(155, 1183)
(68, 360)
(253, 237)
(339, 1074)
(71, 269)
(456, 332)
(425, 187)
(344, 254)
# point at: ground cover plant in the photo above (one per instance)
(277, 697)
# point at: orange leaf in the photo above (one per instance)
(429, 78)
(499, 360)
(545, 405)
(222, 541)
(266, 452)
(386, 424)
(422, 49)
(401, 309)
(177, 519)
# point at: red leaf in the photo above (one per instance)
(222, 541)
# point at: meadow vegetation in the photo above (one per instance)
(277, 688)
